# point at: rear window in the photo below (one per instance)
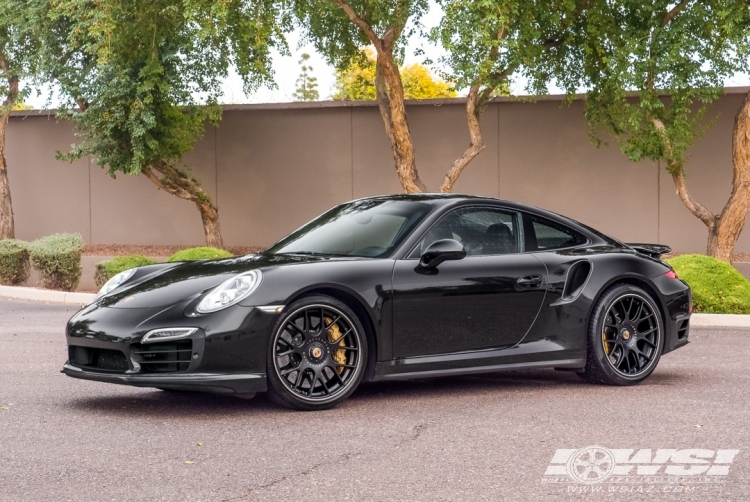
(541, 234)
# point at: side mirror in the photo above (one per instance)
(439, 251)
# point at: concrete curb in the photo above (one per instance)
(720, 321)
(46, 295)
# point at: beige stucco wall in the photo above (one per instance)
(273, 167)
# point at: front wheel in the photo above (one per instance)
(625, 337)
(317, 354)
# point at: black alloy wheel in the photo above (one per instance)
(317, 355)
(625, 337)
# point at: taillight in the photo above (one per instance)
(671, 275)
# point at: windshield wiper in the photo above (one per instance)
(313, 253)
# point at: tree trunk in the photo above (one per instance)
(180, 184)
(730, 222)
(211, 228)
(724, 229)
(390, 95)
(476, 143)
(7, 225)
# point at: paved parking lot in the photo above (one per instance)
(470, 438)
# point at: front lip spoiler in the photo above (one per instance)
(241, 384)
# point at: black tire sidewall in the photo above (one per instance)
(278, 392)
(598, 365)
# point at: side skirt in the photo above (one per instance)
(382, 369)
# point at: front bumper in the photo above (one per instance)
(243, 384)
(225, 355)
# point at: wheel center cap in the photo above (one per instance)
(315, 351)
(626, 335)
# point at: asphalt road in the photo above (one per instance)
(469, 438)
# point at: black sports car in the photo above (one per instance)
(386, 288)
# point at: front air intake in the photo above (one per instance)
(163, 357)
(97, 359)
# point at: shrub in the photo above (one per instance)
(200, 253)
(14, 261)
(718, 288)
(58, 259)
(108, 269)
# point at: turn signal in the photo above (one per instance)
(671, 275)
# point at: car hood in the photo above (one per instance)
(174, 282)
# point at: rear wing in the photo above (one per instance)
(653, 250)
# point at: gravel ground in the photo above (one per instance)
(158, 251)
(470, 438)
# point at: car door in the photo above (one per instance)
(489, 299)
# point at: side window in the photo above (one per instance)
(540, 233)
(482, 231)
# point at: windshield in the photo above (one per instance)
(366, 228)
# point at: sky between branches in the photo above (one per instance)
(286, 69)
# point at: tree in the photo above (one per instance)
(146, 77)
(18, 47)
(307, 85)
(339, 28)
(487, 43)
(357, 81)
(652, 68)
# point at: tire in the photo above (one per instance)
(625, 337)
(312, 366)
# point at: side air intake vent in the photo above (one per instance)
(578, 274)
(682, 331)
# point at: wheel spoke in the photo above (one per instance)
(300, 378)
(648, 332)
(288, 371)
(296, 328)
(646, 340)
(637, 316)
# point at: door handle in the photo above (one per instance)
(530, 281)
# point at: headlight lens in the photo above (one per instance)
(230, 292)
(115, 282)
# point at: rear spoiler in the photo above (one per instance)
(653, 250)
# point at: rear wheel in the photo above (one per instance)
(317, 355)
(625, 337)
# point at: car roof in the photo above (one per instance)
(442, 200)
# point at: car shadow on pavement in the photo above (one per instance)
(155, 403)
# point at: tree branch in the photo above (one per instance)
(476, 143)
(359, 22)
(675, 168)
(674, 11)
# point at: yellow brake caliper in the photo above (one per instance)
(334, 333)
(606, 343)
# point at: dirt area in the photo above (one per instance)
(125, 249)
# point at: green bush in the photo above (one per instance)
(14, 261)
(58, 259)
(201, 253)
(718, 288)
(108, 269)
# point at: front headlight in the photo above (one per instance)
(115, 282)
(230, 292)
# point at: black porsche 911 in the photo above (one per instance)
(386, 288)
